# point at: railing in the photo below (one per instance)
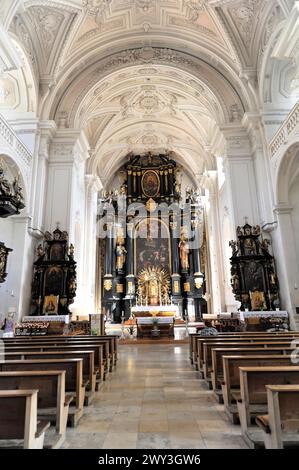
(13, 141)
(283, 133)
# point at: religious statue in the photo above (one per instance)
(40, 251)
(5, 189)
(177, 188)
(2, 260)
(249, 247)
(265, 245)
(72, 285)
(120, 256)
(234, 246)
(165, 294)
(235, 282)
(184, 252)
(18, 190)
(71, 250)
(123, 190)
(256, 230)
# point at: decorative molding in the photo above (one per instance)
(150, 56)
(290, 126)
(13, 141)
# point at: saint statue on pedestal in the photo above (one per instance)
(120, 256)
(184, 252)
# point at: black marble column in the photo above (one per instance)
(161, 173)
(175, 261)
(139, 183)
(109, 250)
(130, 183)
(135, 187)
(196, 269)
(130, 277)
(170, 180)
(166, 182)
(108, 276)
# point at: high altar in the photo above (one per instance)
(151, 256)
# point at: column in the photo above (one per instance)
(287, 268)
(170, 180)
(240, 177)
(130, 184)
(213, 241)
(197, 274)
(139, 183)
(66, 197)
(174, 228)
(86, 257)
(161, 172)
(46, 133)
(261, 167)
(130, 277)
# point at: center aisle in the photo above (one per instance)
(154, 400)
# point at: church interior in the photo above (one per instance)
(149, 221)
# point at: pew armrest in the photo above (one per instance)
(263, 422)
(67, 400)
(42, 426)
(236, 394)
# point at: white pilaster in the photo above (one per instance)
(287, 265)
(87, 296)
(240, 176)
(214, 244)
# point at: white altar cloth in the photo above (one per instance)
(156, 308)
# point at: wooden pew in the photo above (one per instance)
(231, 380)
(245, 335)
(74, 385)
(61, 344)
(280, 428)
(111, 340)
(97, 349)
(207, 351)
(52, 402)
(18, 419)
(253, 401)
(89, 375)
(217, 373)
(251, 339)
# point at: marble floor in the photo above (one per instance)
(154, 400)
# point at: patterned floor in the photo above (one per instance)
(154, 400)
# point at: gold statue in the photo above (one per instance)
(184, 251)
(120, 256)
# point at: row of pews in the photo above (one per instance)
(256, 377)
(45, 383)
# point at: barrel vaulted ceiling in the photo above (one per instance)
(139, 75)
